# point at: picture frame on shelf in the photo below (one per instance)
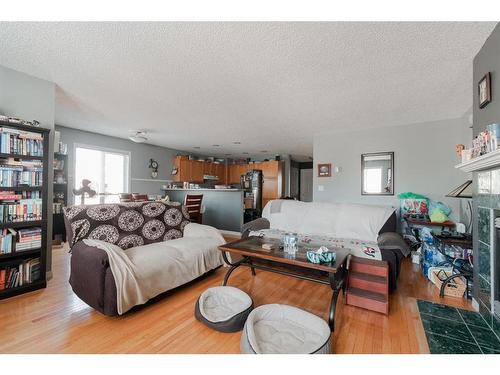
(484, 90)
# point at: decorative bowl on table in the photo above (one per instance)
(322, 255)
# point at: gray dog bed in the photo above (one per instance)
(283, 329)
(223, 308)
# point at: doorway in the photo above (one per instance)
(306, 184)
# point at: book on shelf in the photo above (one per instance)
(22, 210)
(57, 208)
(29, 173)
(6, 241)
(14, 196)
(20, 240)
(27, 239)
(24, 273)
(20, 142)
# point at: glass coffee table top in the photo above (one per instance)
(252, 246)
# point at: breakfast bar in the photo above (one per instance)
(223, 207)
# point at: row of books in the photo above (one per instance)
(16, 195)
(28, 238)
(57, 208)
(13, 141)
(16, 175)
(22, 210)
(24, 273)
(12, 240)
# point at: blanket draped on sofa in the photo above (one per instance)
(345, 225)
(141, 273)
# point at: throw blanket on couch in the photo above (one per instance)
(144, 272)
(345, 225)
(359, 248)
(337, 220)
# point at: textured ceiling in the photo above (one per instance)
(270, 86)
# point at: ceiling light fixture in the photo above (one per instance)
(236, 143)
(197, 147)
(264, 151)
(138, 137)
(216, 145)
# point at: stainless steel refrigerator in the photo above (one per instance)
(251, 184)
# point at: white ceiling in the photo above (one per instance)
(270, 86)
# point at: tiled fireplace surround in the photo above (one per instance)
(486, 200)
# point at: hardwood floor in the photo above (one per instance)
(54, 320)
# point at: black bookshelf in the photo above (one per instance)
(15, 257)
(60, 197)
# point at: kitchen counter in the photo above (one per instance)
(223, 207)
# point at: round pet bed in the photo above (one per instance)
(283, 329)
(223, 308)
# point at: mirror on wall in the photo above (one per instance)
(377, 173)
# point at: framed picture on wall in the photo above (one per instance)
(324, 170)
(484, 89)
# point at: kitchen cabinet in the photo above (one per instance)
(197, 171)
(194, 170)
(188, 170)
(220, 172)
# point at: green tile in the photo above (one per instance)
(444, 345)
(438, 310)
(489, 350)
(494, 201)
(485, 312)
(495, 181)
(485, 337)
(495, 322)
(484, 261)
(484, 288)
(454, 329)
(473, 318)
(484, 224)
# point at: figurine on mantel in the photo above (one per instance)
(485, 142)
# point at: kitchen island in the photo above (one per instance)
(223, 207)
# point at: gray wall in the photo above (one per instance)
(140, 154)
(30, 98)
(424, 161)
(487, 60)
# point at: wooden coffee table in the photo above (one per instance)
(277, 261)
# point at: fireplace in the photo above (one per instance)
(495, 266)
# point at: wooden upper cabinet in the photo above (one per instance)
(188, 170)
(196, 171)
(271, 169)
(220, 172)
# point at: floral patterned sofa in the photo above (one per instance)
(135, 230)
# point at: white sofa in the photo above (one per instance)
(368, 231)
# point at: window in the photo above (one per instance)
(108, 171)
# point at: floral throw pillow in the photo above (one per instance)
(126, 224)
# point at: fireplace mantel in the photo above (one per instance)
(489, 161)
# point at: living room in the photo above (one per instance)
(250, 188)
